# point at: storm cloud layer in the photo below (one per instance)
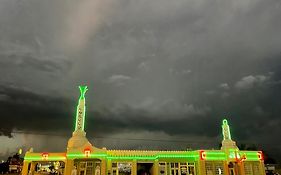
(155, 69)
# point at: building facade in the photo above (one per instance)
(82, 158)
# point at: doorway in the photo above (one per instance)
(144, 168)
(231, 168)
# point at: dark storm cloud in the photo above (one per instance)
(27, 111)
(37, 112)
(172, 67)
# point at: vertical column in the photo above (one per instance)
(242, 171)
(168, 168)
(261, 168)
(225, 167)
(237, 168)
(155, 167)
(134, 167)
(25, 167)
(108, 167)
(201, 167)
(103, 167)
(69, 166)
(32, 168)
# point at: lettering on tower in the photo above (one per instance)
(80, 119)
(80, 115)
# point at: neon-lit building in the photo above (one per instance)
(82, 158)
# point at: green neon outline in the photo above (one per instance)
(192, 155)
(83, 124)
(130, 158)
(83, 90)
(40, 158)
(210, 155)
(79, 155)
(215, 155)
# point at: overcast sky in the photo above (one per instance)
(161, 74)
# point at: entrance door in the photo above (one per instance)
(144, 168)
(231, 168)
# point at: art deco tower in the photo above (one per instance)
(80, 113)
(227, 142)
(78, 139)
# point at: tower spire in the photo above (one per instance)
(80, 113)
(78, 141)
(225, 130)
(227, 142)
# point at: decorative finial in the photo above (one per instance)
(83, 90)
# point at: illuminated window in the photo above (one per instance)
(45, 167)
(121, 168)
(175, 169)
(183, 168)
(191, 169)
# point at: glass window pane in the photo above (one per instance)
(124, 168)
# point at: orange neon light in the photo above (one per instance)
(260, 155)
(87, 152)
(45, 156)
(202, 155)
